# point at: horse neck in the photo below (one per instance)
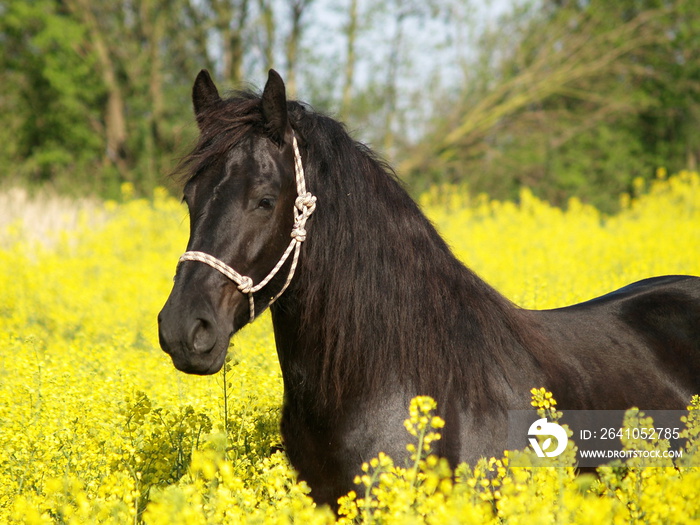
(379, 296)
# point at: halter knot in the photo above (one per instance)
(299, 233)
(306, 203)
(246, 284)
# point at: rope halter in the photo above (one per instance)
(304, 206)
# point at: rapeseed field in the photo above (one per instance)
(98, 427)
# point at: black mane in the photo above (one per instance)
(380, 296)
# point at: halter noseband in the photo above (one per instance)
(304, 206)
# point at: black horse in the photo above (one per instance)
(377, 309)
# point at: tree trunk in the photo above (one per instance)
(153, 31)
(350, 60)
(115, 110)
(230, 21)
(268, 27)
(293, 42)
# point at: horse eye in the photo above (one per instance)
(266, 203)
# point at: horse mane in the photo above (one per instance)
(375, 278)
(391, 299)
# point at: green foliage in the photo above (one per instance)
(50, 108)
(158, 444)
(573, 98)
(566, 98)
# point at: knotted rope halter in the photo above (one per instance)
(304, 206)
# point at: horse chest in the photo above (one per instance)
(327, 448)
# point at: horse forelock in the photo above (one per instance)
(222, 127)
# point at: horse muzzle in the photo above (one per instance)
(194, 338)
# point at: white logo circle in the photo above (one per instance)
(542, 427)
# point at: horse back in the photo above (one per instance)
(636, 346)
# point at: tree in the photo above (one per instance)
(563, 109)
(351, 30)
(565, 96)
(115, 126)
(49, 93)
(230, 19)
(297, 10)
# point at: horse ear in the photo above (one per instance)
(274, 107)
(204, 94)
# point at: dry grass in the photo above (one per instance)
(43, 216)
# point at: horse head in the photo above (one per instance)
(244, 198)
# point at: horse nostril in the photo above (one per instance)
(202, 336)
